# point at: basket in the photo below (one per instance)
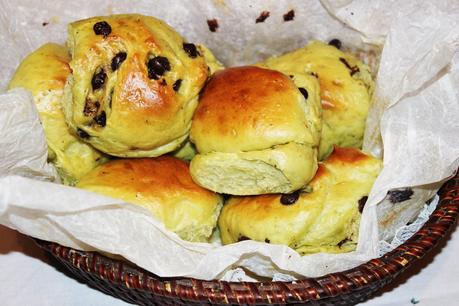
(135, 285)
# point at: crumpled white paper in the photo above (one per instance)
(23, 148)
(407, 231)
(413, 124)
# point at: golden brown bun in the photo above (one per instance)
(164, 186)
(255, 132)
(43, 73)
(346, 87)
(134, 85)
(324, 218)
(249, 108)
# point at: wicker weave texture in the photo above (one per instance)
(135, 285)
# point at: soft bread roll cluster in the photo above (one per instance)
(256, 132)
(164, 186)
(325, 218)
(43, 73)
(346, 87)
(134, 84)
(131, 87)
(134, 88)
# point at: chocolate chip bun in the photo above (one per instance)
(346, 87)
(134, 84)
(324, 217)
(164, 186)
(256, 132)
(43, 73)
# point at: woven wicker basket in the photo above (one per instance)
(135, 285)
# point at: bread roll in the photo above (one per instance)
(256, 132)
(322, 218)
(187, 150)
(43, 73)
(346, 87)
(134, 84)
(164, 186)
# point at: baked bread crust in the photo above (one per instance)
(164, 186)
(322, 218)
(44, 73)
(134, 84)
(346, 88)
(256, 132)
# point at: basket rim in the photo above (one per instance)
(369, 276)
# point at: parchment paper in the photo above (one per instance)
(412, 124)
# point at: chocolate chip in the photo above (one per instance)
(242, 238)
(397, 196)
(263, 16)
(191, 50)
(45, 23)
(212, 24)
(81, 133)
(157, 66)
(177, 84)
(343, 60)
(98, 80)
(335, 43)
(342, 242)
(290, 198)
(267, 240)
(362, 203)
(91, 108)
(110, 98)
(290, 15)
(102, 28)
(353, 70)
(117, 60)
(304, 92)
(101, 119)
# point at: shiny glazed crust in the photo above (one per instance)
(346, 87)
(145, 112)
(324, 218)
(256, 132)
(164, 186)
(250, 108)
(44, 73)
